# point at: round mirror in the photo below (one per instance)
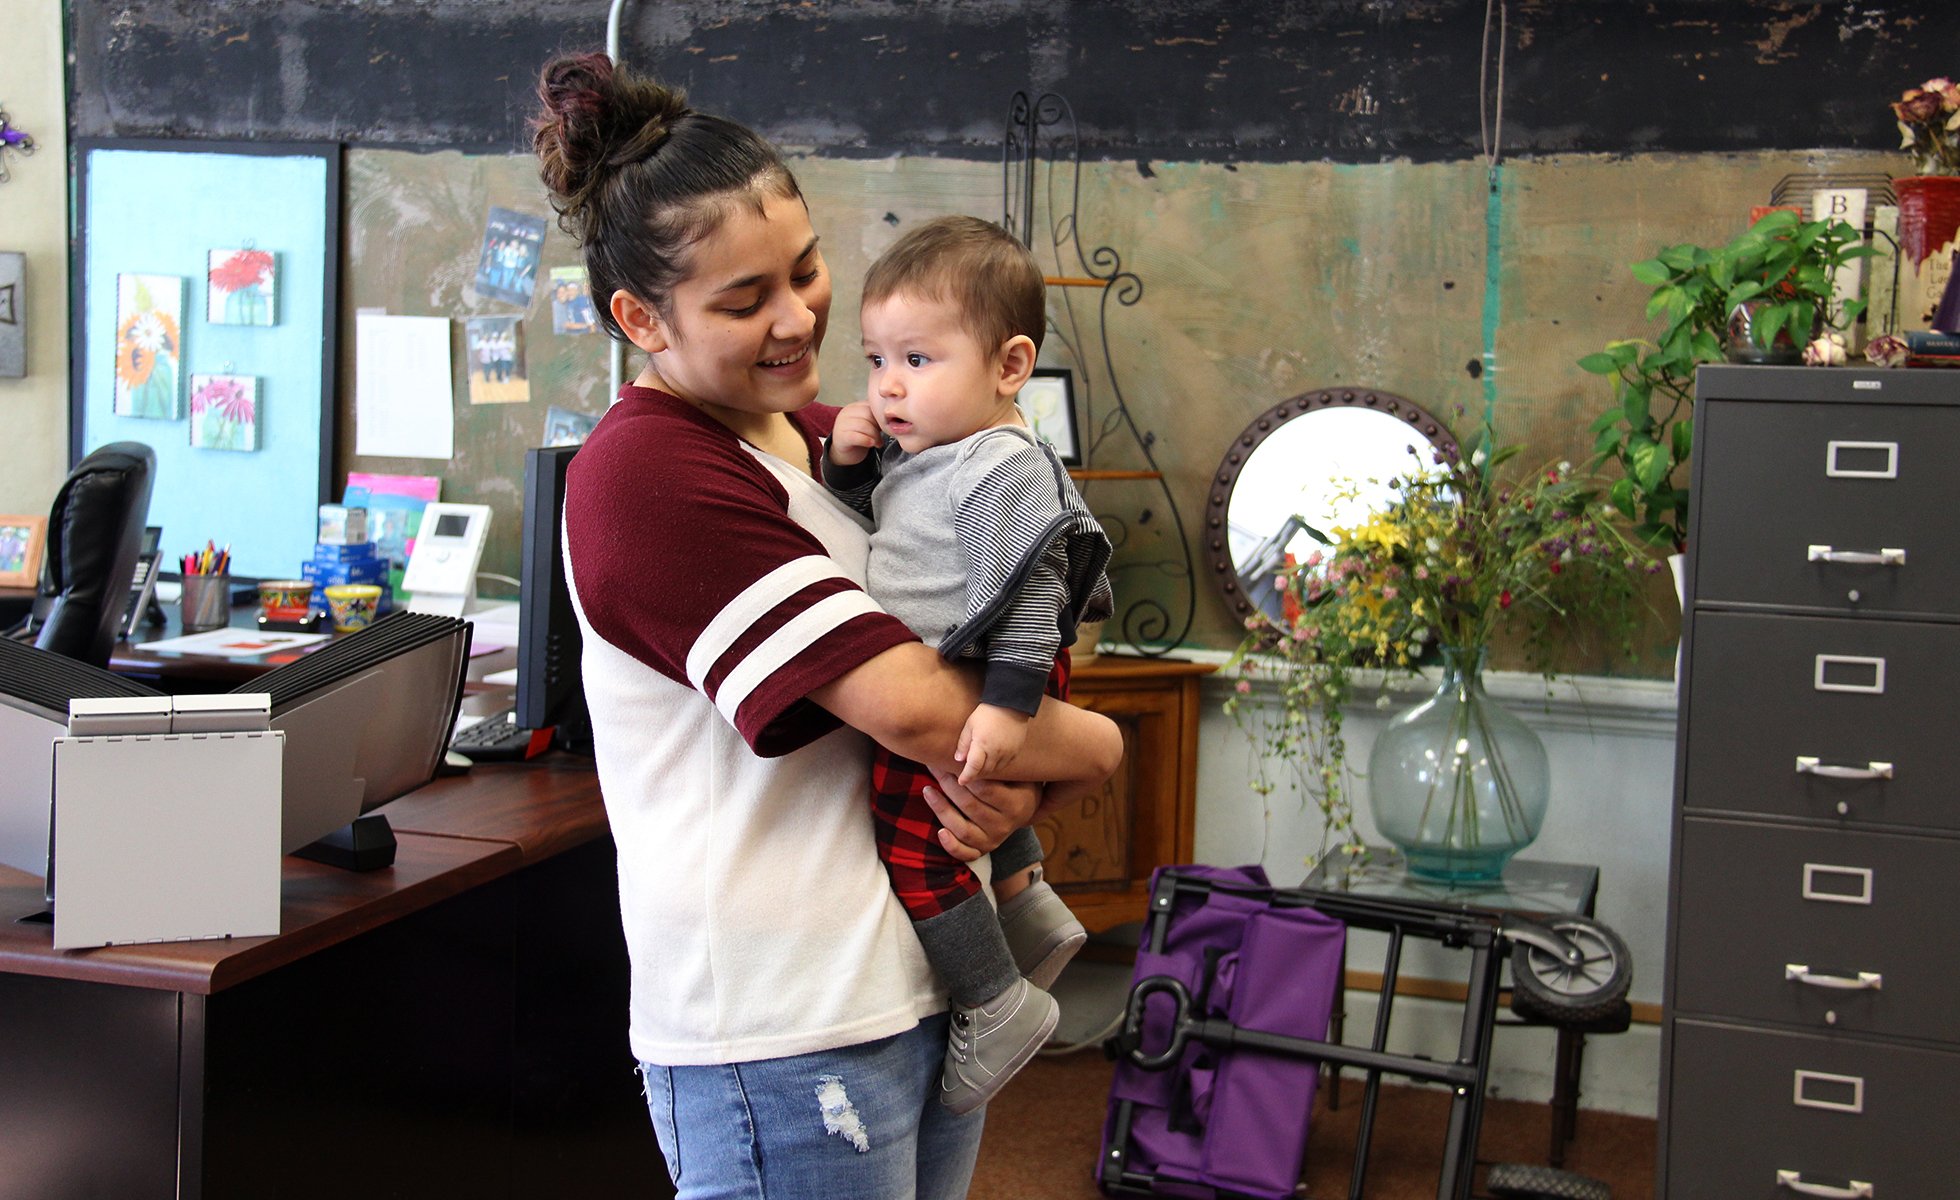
(1280, 481)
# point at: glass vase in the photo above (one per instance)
(1457, 783)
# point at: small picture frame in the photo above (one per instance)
(21, 542)
(1048, 401)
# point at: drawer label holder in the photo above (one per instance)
(1838, 470)
(1816, 874)
(1835, 672)
(1832, 1093)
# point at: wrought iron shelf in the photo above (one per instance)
(1041, 132)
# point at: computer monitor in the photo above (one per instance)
(549, 643)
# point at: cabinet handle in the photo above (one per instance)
(1862, 981)
(1809, 764)
(1887, 557)
(1852, 1190)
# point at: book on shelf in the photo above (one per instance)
(1882, 272)
(1932, 343)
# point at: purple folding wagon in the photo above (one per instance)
(1225, 1032)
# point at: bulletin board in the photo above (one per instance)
(157, 210)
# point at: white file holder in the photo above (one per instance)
(166, 836)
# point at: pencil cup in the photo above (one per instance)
(206, 602)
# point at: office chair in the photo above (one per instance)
(95, 530)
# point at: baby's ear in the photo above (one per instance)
(1016, 361)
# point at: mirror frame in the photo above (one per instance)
(1217, 547)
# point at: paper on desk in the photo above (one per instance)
(234, 643)
(402, 389)
(495, 622)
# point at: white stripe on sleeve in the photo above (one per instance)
(786, 643)
(755, 602)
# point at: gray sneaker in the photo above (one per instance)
(989, 1043)
(1041, 932)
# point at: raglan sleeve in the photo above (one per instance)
(685, 558)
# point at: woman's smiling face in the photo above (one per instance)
(747, 322)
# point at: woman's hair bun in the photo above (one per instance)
(594, 118)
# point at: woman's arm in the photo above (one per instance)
(913, 702)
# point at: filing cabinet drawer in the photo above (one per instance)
(1797, 497)
(1824, 717)
(1748, 1104)
(1856, 932)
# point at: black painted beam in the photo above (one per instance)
(1212, 80)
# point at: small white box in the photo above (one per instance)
(343, 525)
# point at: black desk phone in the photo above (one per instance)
(143, 608)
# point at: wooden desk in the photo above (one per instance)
(451, 1026)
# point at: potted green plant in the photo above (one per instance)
(1760, 298)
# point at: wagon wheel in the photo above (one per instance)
(1560, 991)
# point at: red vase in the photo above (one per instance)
(1929, 214)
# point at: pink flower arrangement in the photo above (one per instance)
(1929, 124)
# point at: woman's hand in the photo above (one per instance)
(976, 818)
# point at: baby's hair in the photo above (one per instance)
(982, 270)
(638, 177)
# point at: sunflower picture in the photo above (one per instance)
(149, 347)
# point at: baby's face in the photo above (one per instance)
(932, 383)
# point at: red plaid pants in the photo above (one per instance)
(926, 879)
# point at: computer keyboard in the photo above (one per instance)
(498, 738)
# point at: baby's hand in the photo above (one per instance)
(990, 742)
(854, 435)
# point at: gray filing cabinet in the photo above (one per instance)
(1811, 1043)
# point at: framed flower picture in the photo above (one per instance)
(1048, 401)
(225, 412)
(240, 287)
(149, 346)
(21, 542)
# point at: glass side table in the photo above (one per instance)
(1527, 887)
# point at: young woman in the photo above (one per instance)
(785, 1019)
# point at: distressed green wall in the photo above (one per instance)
(1260, 281)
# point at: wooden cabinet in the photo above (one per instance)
(1102, 851)
(1810, 1039)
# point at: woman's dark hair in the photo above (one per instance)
(638, 177)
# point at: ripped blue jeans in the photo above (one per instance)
(857, 1123)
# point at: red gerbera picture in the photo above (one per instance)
(241, 287)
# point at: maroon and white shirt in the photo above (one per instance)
(717, 586)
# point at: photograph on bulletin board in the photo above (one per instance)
(496, 360)
(236, 246)
(571, 302)
(563, 427)
(242, 287)
(507, 266)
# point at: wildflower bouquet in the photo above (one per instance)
(1459, 551)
